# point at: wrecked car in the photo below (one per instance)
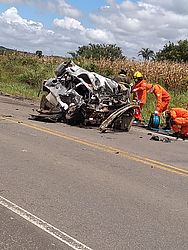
(79, 97)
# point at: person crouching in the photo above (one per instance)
(162, 97)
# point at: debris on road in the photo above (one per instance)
(77, 96)
(164, 139)
(155, 138)
(6, 116)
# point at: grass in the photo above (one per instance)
(22, 75)
(19, 89)
(177, 100)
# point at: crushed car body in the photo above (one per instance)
(79, 97)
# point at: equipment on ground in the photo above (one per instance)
(154, 121)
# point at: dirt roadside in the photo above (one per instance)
(18, 100)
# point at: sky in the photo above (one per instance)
(60, 26)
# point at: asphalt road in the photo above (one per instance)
(64, 187)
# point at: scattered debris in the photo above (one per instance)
(166, 140)
(7, 116)
(155, 138)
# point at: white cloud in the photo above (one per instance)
(98, 36)
(177, 6)
(12, 1)
(11, 17)
(66, 9)
(131, 25)
(22, 34)
(60, 6)
(68, 23)
(135, 25)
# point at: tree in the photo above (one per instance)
(146, 53)
(97, 51)
(174, 52)
(72, 53)
(39, 53)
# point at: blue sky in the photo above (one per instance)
(86, 5)
(89, 5)
(60, 26)
(29, 11)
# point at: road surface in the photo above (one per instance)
(64, 187)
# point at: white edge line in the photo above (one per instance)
(63, 237)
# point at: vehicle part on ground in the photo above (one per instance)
(77, 96)
(120, 119)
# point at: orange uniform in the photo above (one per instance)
(139, 94)
(162, 96)
(179, 117)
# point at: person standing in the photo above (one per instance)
(139, 94)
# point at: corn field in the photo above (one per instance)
(173, 76)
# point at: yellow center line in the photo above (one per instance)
(108, 149)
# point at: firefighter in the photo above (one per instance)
(162, 97)
(178, 119)
(139, 94)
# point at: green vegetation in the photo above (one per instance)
(170, 52)
(98, 51)
(147, 54)
(4, 50)
(174, 52)
(177, 100)
(22, 74)
(21, 90)
(39, 53)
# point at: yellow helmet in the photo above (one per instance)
(137, 74)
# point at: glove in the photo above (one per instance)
(134, 90)
(156, 112)
(136, 101)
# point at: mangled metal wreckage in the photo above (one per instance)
(77, 96)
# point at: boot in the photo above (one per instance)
(168, 123)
